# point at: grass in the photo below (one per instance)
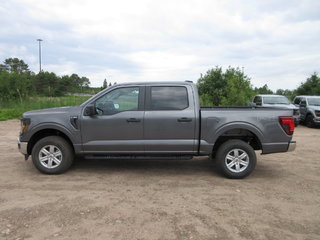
(14, 109)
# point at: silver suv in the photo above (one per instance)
(309, 109)
(277, 101)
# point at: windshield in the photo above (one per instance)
(314, 101)
(275, 100)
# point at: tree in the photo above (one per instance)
(14, 65)
(105, 84)
(310, 87)
(285, 92)
(263, 90)
(219, 88)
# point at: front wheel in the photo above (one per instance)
(52, 155)
(309, 121)
(236, 159)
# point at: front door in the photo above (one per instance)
(117, 128)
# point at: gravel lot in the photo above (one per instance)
(161, 199)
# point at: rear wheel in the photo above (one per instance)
(52, 155)
(236, 159)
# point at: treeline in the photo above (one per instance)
(17, 81)
(233, 88)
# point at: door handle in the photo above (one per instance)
(133, 120)
(184, 119)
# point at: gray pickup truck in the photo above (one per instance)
(309, 108)
(154, 120)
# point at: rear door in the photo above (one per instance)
(169, 121)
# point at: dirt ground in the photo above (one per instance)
(131, 199)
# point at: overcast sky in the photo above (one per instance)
(276, 42)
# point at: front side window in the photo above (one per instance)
(296, 100)
(169, 98)
(258, 100)
(303, 101)
(118, 100)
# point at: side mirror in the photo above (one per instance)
(259, 103)
(303, 105)
(251, 104)
(90, 110)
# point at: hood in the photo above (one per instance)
(49, 111)
(317, 108)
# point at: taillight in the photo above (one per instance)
(287, 124)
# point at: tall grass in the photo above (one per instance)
(15, 108)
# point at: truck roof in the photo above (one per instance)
(270, 95)
(307, 96)
(157, 83)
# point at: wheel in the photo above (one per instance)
(309, 121)
(236, 159)
(52, 155)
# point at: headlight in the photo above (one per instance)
(296, 112)
(25, 123)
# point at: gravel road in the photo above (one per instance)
(131, 199)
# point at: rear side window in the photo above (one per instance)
(169, 98)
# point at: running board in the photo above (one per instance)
(138, 157)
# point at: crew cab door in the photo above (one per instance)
(117, 127)
(169, 122)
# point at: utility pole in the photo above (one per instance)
(39, 40)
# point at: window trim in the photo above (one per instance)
(148, 102)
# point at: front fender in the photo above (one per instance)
(53, 126)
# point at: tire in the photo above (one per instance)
(233, 167)
(309, 121)
(52, 155)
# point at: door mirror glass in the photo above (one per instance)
(90, 110)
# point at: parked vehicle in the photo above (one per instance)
(152, 120)
(309, 109)
(277, 101)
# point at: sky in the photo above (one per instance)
(275, 42)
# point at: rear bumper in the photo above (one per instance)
(292, 146)
(278, 147)
(22, 146)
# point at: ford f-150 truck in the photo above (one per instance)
(154, 120)
(309, 108)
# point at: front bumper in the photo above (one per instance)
(292, 146)
(22, 146)
(316, 120)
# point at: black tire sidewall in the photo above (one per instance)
(225, 148)
(65, 148)
(309, 121)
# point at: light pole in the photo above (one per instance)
(40, 40)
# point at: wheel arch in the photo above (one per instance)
(45, 132)
(244, 132)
